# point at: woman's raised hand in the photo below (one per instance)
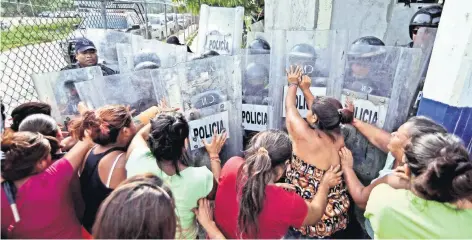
(214, 147)
(294, 75)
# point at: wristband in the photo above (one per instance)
(293, 84)
(216, 159)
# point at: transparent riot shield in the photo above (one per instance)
(125, 62)
(255, 90)
(320, 53)
(168, 54)
(423, 40)
(210, 95)
(107, 47)
(58, 89)
(88, 94)
(381, 81)
(134, 89)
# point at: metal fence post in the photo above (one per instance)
(104, 13)
(165, 18)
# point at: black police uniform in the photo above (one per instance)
(83, 44)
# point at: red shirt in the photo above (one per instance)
(281, 209)
(45, 206)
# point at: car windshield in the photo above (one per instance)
(113, 22)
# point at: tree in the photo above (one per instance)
(250, 6)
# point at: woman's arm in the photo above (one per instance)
(296, 125)
(139, 140)
(359, 193)
(77, 154)
(305, 87)
(204, 215)
(378, 137)
(214, 148)
(317, 206)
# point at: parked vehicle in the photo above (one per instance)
(159, 28)
(93, 25)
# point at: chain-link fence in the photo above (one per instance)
(37, 35)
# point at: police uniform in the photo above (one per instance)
(82, 45)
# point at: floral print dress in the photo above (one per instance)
(306, 178)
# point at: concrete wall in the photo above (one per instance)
(385, 19)
(447, 94)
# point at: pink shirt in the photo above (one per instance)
(45, 206)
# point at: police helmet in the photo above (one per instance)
(146, 65)
(303, 55)
(259, 46)
(147, 58)
(303, 51)
(366, 47)
(256, 74)
(426, 17)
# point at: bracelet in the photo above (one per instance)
(216, 159)
(293, 84)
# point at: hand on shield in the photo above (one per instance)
(349, 105)
(306, 83)
(217, 142)
(345, 155)
(164, 107)
(294, 75)
(82, 108)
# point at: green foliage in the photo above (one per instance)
(32, 34)
(249, 5)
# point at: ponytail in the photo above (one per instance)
(442, 167)
(103, 125)
(259, 172)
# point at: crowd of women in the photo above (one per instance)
(113, 175)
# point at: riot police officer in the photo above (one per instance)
(368, 64)
(255, 84)
(425, 17)
(146, 60)
(86, 55)
(259, 46)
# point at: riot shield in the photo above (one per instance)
(424, 40)
(381, 81)
(58, 89)
(168, 54)
(133, 89)
(320, 53)
(107, 47)
(89, 94)
(125, 62)
(255, 90)
(210, 96)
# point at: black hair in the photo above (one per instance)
(330, 114)
(442, 167)
(167, 139)
(26, 109)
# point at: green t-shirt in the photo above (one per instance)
(398, 213)
(192, 184)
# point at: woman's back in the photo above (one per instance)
(317, 148)
(281, 209)
(45, 206)
(192, 184)
(94, 188)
